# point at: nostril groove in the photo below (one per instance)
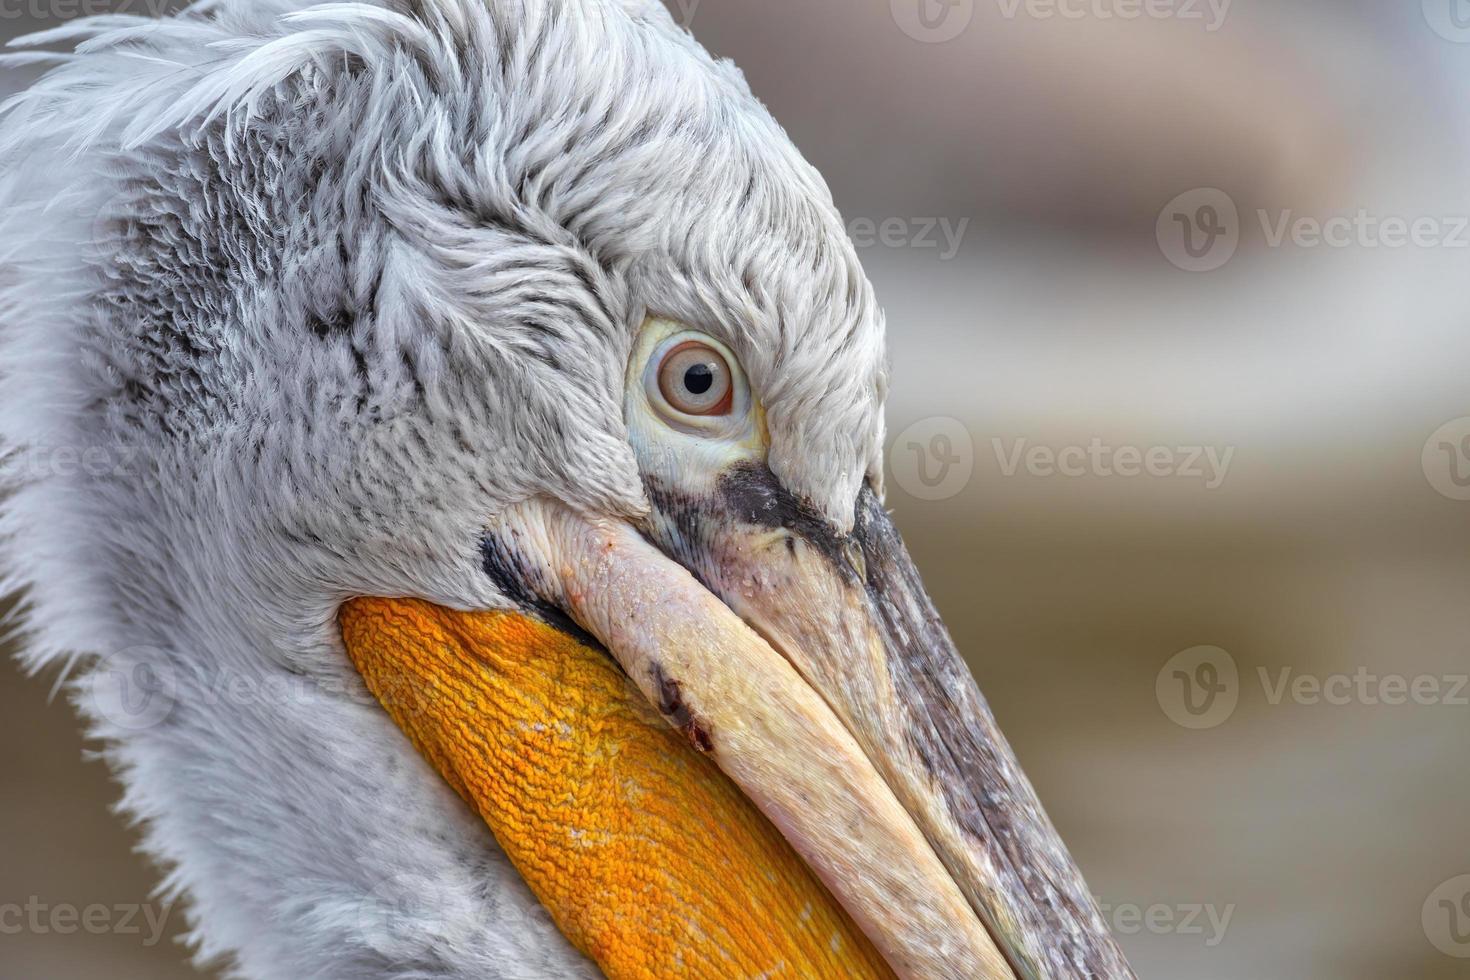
(856, 559)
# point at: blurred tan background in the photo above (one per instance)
(1302, 513)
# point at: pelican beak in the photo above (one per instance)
(727, 739)
(811, 666)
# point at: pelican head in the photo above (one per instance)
(445, 437)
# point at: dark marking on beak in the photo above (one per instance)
(753, 494)
(512, 575)
(671, 705)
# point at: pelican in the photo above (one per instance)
(445, 457)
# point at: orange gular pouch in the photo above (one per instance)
(648, 858)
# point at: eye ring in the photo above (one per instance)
(696, 380)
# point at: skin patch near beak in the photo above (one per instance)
(648, 858)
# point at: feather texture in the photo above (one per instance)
(293, 300)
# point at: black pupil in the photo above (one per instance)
(699, 379)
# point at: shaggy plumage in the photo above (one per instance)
(293, 301)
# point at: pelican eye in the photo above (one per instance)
(694, 378)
